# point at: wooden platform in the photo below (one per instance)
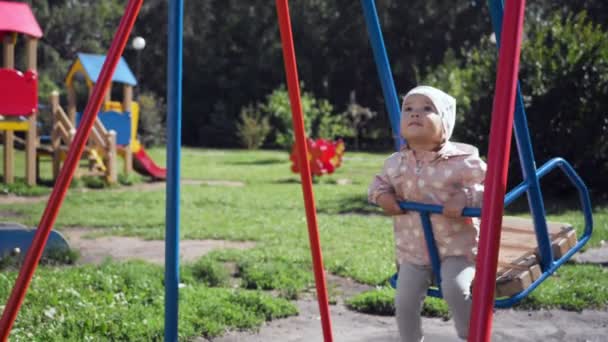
(518, 260)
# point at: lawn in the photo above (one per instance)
(267, 209)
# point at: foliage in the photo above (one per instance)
(358, 117)
(210, 272)
(94, 182)
(571, 288)
(20, 188)
(319, 118)
(129, 179)
(151, 128)
(253, 129)
(287, 277)
(124, 302)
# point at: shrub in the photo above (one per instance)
(210, 272)
(286, 277)
(253, 129)
(151, 128)
(320, 121)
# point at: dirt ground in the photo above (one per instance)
(350, 326)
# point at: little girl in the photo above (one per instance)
(430, 169)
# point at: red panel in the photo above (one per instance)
(18, 92)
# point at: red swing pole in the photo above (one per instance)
(293, 86)
(67, 171)
(480, 328)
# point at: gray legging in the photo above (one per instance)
(456, 277)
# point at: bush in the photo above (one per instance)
(253, 129)
(210, 272)
(319, 119)
(564, 79)
(286, 277)
(151, 129)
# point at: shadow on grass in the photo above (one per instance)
(354, 204)
(259, 162)
(290, 180)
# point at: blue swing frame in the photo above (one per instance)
(531, 175)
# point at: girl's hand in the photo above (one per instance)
(388, 203)
(455, 204)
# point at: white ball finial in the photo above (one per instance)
(139, 43)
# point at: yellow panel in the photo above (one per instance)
(77, 68)
(134, 123)
(14, 126)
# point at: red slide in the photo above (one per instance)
(143, 164)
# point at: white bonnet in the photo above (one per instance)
(443, 102)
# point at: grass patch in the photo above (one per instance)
(288, 278)
(382, 302)
(210, 272)
(124, 302)
(571, 288)
(51, 257)
(20, 188)
(129, 179)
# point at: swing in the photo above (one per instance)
(524, 262)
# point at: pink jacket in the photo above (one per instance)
(430, 180)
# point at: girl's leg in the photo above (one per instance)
(456, 277)
(411, 289)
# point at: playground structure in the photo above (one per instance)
(114, 132)
(502, 120)
(18, 90)
(18, 113)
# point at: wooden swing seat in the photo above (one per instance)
(519, 257)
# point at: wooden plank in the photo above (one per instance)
(100, 127)
(63, 119)
(9, 157)
(31, 48)
(30, 151)
(519, 257)
(98, 139)
(111, 165)
(9, 50)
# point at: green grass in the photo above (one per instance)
(125, 302)
(356, 240)
(382, 302)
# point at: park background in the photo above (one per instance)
(234, 93)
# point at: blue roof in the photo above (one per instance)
(92, 65)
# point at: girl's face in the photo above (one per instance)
(420, 123)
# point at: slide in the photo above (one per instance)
(143, 164)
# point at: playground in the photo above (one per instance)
(214, 247)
